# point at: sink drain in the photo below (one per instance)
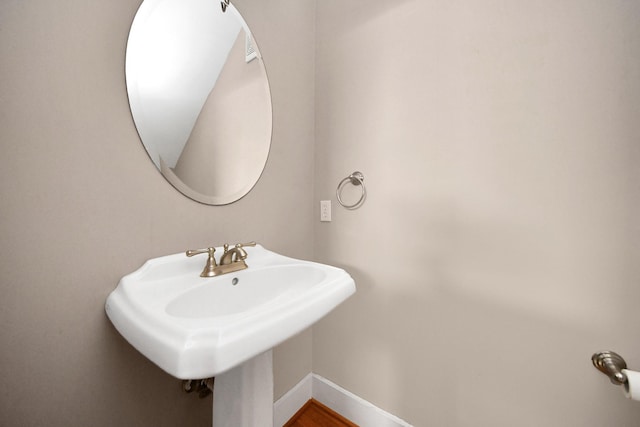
(234, 281)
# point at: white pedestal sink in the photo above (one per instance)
(225, 326)
(243, 396)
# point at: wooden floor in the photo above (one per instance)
(315, 414)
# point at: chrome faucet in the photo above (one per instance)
(230, 261)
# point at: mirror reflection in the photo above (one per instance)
(199, 97)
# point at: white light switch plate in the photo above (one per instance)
(325, 210)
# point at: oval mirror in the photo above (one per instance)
(199, 97)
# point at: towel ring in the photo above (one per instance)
(356, 178)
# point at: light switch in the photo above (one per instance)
(325, 210)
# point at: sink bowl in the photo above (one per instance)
(194, 327)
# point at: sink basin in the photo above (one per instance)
(194, 327)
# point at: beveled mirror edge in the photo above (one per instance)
(168, 174)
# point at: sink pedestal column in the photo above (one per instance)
(243, 396)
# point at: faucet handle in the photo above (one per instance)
(237, 253)
(211, 261)
(241, 254)
(240, 245)
(192, 252)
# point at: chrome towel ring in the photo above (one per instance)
(356, 178)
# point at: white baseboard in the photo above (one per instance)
(291, 401)
(335, 397)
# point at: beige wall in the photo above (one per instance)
(498, 247)
(81, 205)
